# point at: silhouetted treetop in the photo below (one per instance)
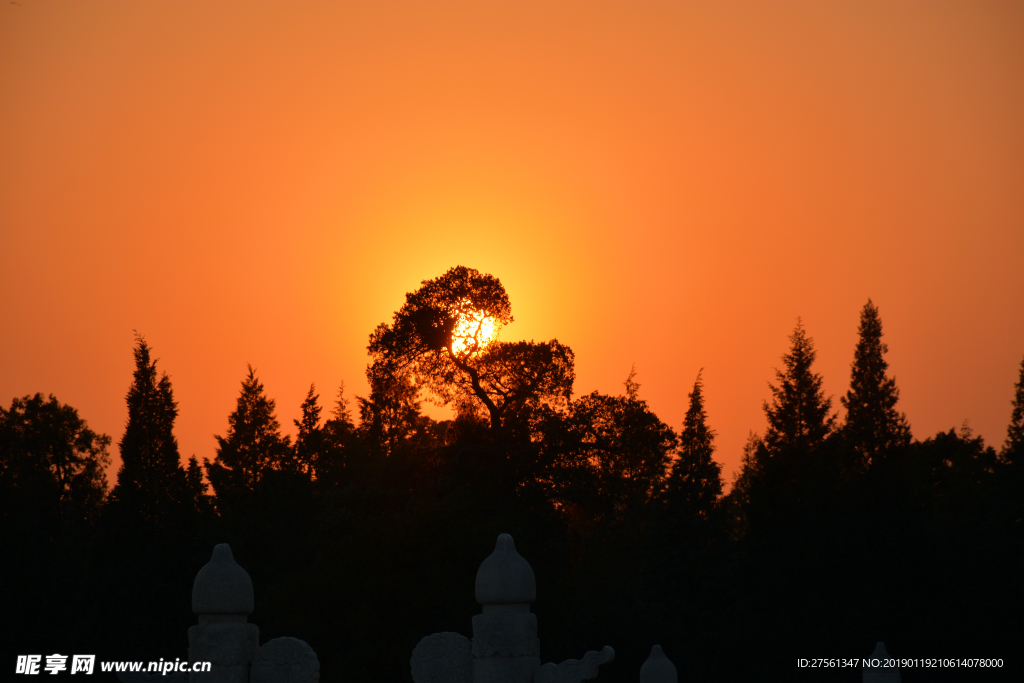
(798, 416)
(1013, 448)
(49, 453)
(602, 457)
(873, 425)
(151, 480)
(444, 339)
(253, 443)
(309, 441)
(695, 482)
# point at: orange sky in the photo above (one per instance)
(665, 183)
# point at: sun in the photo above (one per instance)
(472, 333)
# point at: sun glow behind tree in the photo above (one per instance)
(473, 331)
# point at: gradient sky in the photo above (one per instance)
(669, 184)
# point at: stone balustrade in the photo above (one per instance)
(505, 647)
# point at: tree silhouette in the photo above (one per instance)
(439, 341)
(873, 426)
(154, 523)
(151, 483)
(1013, 447)
(695, 482)
(390, 418)
(49, 456)
(798, 416)
(309, 442)
(338, 439)
(602, 459)
(253, 444)
(736, 503)
(52, 485)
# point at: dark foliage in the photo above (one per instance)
(362, 536)
(798, 415)
(873, 426)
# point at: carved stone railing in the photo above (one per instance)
(222, 599)
(505, 647)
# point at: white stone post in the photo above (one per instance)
(505, 644)
(222, 597)
(658, 668)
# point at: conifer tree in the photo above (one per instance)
(338, 434)
(1013, 448)
(340, 422)
(695, 482)
(737, 502)
(253, 443)
(873, 426)
(798, 416)
(151, 483)
(391, 416)
(309, 442)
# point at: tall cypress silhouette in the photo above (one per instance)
(798, 416)
(151, 483)
(309, 442)
(151, 525)
(695, 482)
(1013, 447)
(253, 443)
(873, 426)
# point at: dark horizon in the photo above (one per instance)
(363, 534)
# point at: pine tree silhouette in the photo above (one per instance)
(151, 483)
(798, 416)
(1013, 447)
(873, 426)
(253, 443)
(309, 442)
(695, 482)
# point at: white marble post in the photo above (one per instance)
(658, 668)
(222, 597)
(505, 644)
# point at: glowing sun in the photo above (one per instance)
(472, 333)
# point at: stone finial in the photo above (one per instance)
(658, 668)
(505, 578)
(880, 674)
(505, 645)
(442, 658)
(221, 586)
(285, 660)
(222, 598)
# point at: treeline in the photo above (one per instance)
(364, 533)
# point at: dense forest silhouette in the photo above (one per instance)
(364, 532)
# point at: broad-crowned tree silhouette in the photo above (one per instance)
(52, 485)
(440, 340)
(602, 459)
(798, 415)
(253, 444)
(873, 426)
(152, 487)
(49, 455)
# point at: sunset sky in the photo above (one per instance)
(669, 184)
